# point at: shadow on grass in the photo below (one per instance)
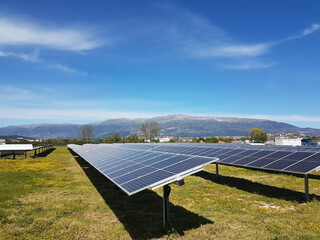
(46, 153)
(258, 188)
(141, 213)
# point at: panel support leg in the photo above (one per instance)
(166, 219)
(35, 153)
(217, 170)
(13, 155)
(25, 154)
(306, 187)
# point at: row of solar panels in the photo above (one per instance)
(301, 162)
(134, 170)
(236, 146)
(135, 167)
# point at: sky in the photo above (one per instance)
(87, 61)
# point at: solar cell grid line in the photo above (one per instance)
(304, 158)
(269, 158)
(206, 152)
(123, 170)
(228, 152)
(117, 161)
(314, 158)
(96, 158)
(149, 159)
(304, 167)
(113, 155)
(200, 151)
(103, 153)
(179, 150)
(211, 152)
(188, 150)
(163, 156)
(238, 157)
(250, 159)
(217, 152)
(283, 155)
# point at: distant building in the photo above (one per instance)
(288, 141)
(2, 141)
(164, 139)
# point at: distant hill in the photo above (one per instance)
(177, 125)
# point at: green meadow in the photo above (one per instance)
(59, 196)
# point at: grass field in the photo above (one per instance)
(59, 196)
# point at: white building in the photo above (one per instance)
(2, 141)
(164, 139)
(288, 141)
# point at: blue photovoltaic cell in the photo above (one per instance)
(244, 161)
(186, 165)
(146, 180)
(169, 161)
(134, 174)
(303, 166)
(298, 155)
(261, 162)
(280, 164)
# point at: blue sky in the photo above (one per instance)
(94, 60)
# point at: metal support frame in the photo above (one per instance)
(35, 153)
(13, 155)
(306, 187)
(217, 170)
(166, 219)
(25, 154)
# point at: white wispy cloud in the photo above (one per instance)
(67, 69)
(231, 51)
(248, 65)
(70, 115)
(234, 50)
(28, 57)
(20, 32)
(311, 29)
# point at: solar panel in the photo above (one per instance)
(276, 158)
(134, 168)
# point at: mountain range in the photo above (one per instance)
(176, 125)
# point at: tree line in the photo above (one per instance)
(150, 132)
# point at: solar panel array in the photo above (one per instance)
(136, 168)
(283, 159)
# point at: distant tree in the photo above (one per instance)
(211, 140)
(133, 138)
(150, 130)
(116, 137)
(225, 139)
(86, 133)
(258, 135)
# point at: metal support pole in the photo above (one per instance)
(13, 155)
(25, 154)
(217, 170)
(35, 153)
(306, 187)
(166, 219)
